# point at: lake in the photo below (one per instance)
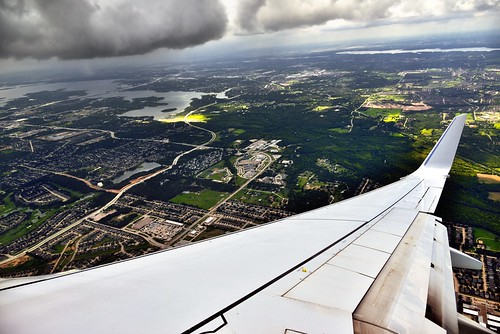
(144, 167)
(177, 100)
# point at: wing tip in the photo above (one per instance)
(441, 157)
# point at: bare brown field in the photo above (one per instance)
(494, 196)
(488, 178)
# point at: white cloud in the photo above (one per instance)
(258, 16)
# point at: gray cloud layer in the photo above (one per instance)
(256, 16)
(75, 29)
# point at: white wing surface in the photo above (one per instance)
(374, 263)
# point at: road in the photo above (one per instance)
(63, 252)
(87, 182)
(359, 112)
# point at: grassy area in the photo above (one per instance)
(198, 118)
(204, 199)
(7, 206)
(322, 108)
(26, 226)
(303, 178)
(6, 152)
(92, 255)
(426, 132)
(58, 248)
(72, 193)
(258, 197)
(491, 240)
(238, 131)
(233, 106)
(339, 130)
(207, 172)
(219, 176)
(219, 172)
(240, 181)
(392, 118)
(387, 98)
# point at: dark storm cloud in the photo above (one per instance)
(247, 13)
(75, 29)
(257, 16)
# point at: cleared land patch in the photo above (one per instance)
(488, 178)
(494, 196)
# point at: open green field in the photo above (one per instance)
(219, 176)
(259, 197)
(204, 199)
(207, 172)
(387, 97)
(491, 240)
(220, 172)
(390, 115)
(427, 132)
(303, 178)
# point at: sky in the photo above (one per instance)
(50, 33)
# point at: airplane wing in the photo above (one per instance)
(376, 263)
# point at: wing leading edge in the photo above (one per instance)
(318, 272)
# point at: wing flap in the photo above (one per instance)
(397, 299)
(441, 303)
